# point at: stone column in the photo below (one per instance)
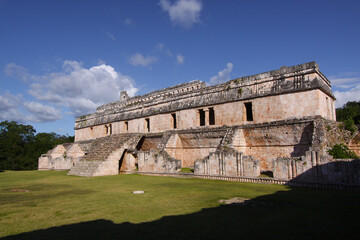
(197, 118)
(206, 116)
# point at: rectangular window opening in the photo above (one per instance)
(202, 117)
(147, 124)
(249, 113)
(173, 115)
(110, 129)
(127, 126)
(211, 116)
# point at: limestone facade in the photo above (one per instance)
(290, 92)
(265, 122)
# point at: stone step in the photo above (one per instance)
(99, 151)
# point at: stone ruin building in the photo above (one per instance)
(281, 121)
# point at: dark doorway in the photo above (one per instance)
(202, 117)
(147, 124)
(211, 116)
(249, 112)
(173, 115)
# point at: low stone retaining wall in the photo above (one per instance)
(291, 183)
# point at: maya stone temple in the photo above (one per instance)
(281, 121)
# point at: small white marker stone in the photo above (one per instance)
(138, 192)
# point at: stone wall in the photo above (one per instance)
(62, 157)
(264, 109)
(228, 163)
(314, 167)
(157, 161)
(192, 145)
(273, 96)
(269, 141)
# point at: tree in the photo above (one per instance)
(14, 139)
(349, 110)
(349, 114)
(20, 148)
(341, 151)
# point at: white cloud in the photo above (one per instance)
(139, 59)
(180, 59)
(346, 96)
(9, 108)
(223, 75)
(183, 12)
(12, 108)
(347, 89)
(81, 89)
(42, 113)
(111, 36)
(16, 71)
(345, 83)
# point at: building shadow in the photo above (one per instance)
(305, 141)
(297, 213)
(339, 172)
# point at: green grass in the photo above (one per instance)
(69, 207)
(187, 170)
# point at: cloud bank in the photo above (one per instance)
(79, 90)
(12, 109)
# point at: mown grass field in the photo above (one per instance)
(58, 206)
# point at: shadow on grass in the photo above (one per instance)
(299, 213)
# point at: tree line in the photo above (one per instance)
(20, 146)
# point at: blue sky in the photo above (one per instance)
(61, 59)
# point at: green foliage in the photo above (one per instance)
(187, 170)
(328, 128)
(349, 125)
(20, 148)
(341, 151)
(351, 110)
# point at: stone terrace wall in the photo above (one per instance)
(157, 161)
(190, 145)
(314, 167)
(229, 163)
(63, 156)
(267, 142)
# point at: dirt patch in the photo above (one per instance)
(245, 202)
(19, 190)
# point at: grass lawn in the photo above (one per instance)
(58, 206)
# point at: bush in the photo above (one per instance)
(341, 151)
(349, 125)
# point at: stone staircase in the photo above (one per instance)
(99, 151)
(227, 142)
